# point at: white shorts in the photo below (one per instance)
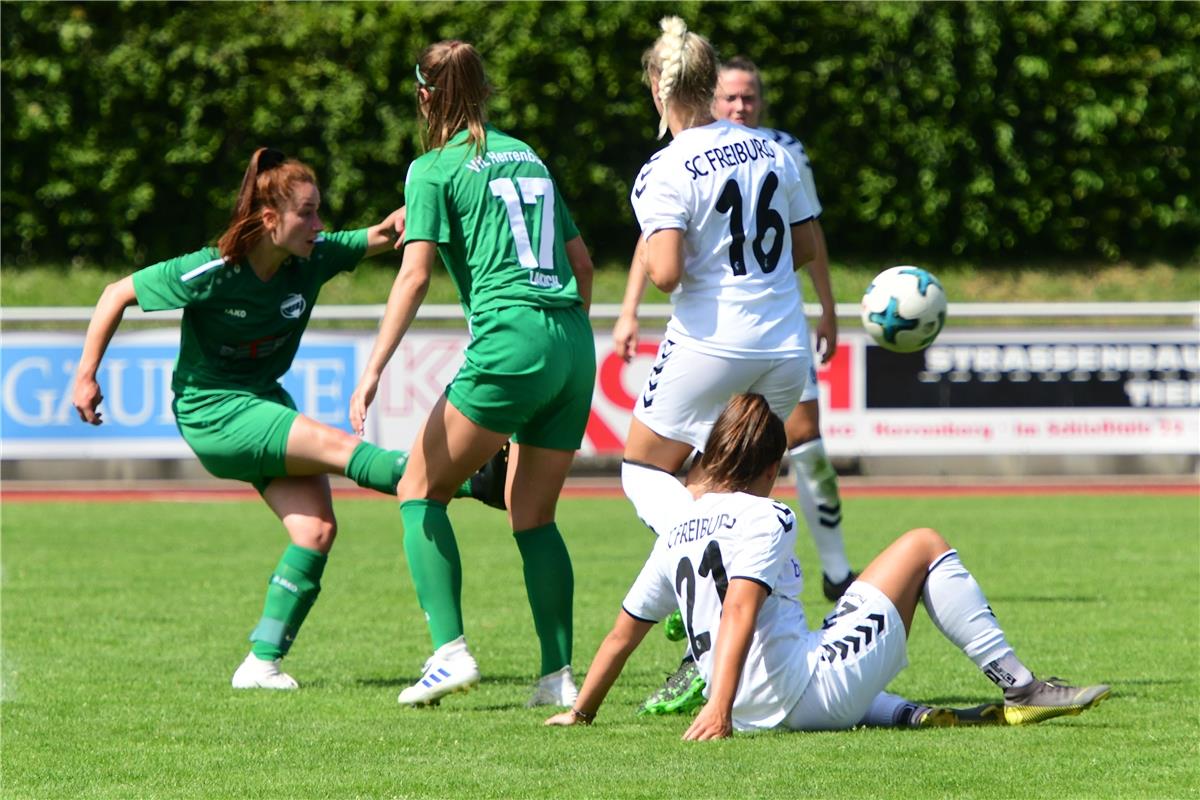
(812, 387)
(686, 391)
(864, 647)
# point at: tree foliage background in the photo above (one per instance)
(989, 131)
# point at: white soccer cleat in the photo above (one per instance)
(556, 689)
(255, 673)
(451, 668)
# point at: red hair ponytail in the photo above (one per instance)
(269, 181)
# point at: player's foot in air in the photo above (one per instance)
(683, 692)
(255, 673)
(834, 591)
(556, 689)
(938, 717)
(673, 626)
(1042, 700)
(451, 668)
(487, 485)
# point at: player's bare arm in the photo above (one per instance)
(818, 273)
(581, 266)
(664, 258)
(408, 290)
(110, 309)
(804, 243)
(388, 234)
(625, 330)
(738, 616)
(626, 634)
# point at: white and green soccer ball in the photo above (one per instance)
(904, 309)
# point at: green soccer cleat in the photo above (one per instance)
(673, 626)
(683, 692)
(985, 714)
(1043, 700)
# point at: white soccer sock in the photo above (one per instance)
(960, 611)
(891, 711)
(817, 491)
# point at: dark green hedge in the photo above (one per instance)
(985, 131)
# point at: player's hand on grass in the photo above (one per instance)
(625, 337)
(564, 719)
(360, 401)
(827, 337)
(86, 399)
(710, 723)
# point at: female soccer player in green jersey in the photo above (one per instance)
(485, 203)
(245, 304)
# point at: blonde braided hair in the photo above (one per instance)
(685, 66)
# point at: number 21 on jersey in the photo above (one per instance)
(515, 192)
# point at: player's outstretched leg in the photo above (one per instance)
(817, 494)
(372, 467)
(959, 610)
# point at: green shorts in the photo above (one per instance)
(237, 434)
(529, 372)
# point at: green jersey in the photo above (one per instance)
(498, 221)
(239, 332)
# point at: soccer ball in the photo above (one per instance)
(904, 309)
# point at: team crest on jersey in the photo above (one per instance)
(293, 306)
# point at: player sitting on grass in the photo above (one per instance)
(724, 557)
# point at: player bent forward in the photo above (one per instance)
(724, 558)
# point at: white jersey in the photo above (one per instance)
(735, 194)
(800, 156)
(702, 545)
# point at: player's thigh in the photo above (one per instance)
(238, 435)
(782, 381)
(448, 449)
(535, 480)
(314, 448)
(644, 446)
(863, 647)
(686, 391)
(305, 507)
(804, 423)
(557, 399)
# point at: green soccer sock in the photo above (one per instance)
(434, 564)
(373, 467)
(291, 592)
(550, 584)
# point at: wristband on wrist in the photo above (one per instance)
(583, 717)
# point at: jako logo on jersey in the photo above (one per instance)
(293, 306)
(240, 313)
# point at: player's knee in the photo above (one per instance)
(315, 533)
(803, 425)
(929, 541)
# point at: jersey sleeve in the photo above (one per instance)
(178, 282)
(657, 202)
(428, 215)
(340, 251)
(800, 155)
(769, 538)
(651, 598)
(800, 207)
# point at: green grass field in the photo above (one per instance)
(122, 623)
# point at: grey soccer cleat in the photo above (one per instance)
(1043, 700)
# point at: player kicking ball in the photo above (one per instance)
(724, 558)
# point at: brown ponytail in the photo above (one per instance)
(746, 439)
(452, 73)
(268, 183)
